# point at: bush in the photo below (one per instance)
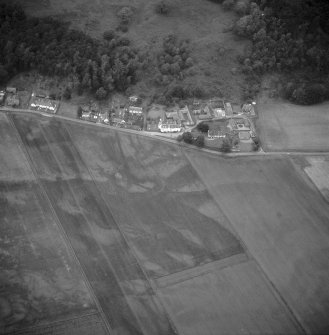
(101, 93)
(187, 137)
(162, 7)
(67, 93)
(125, 14)
(109, 35)
(199, 142)
(123, 27)
(79, 112)
(179, 138)
(226, 146)
(203, 127)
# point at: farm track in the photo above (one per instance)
(78, 221)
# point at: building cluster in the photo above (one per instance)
(175, 119)
(129, 115)
(9, 97)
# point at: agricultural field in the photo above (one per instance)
(157, 239)
(317, 168)
(214, 48)
(40, 282)
(285, 126)
(124, 296)
(283, 221)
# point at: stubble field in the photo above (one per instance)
(166, 240)
(283, 221)
(285, 126)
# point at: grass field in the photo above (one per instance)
(40, 282)
(285, 126)
(284, 225)
(204, 23)
(158, 239)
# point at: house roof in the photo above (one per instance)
(44, 103)
(216, 133)
(244, 135)
(135, 109)
(172, 115)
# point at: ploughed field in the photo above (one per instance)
(104, 232)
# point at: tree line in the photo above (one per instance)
(52, 48)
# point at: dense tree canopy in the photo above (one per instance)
(50, 47)
(290, 37)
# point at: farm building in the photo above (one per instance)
(43, 103)
(12, 90)
(118, 122)
(152, 125)
(212, 134)
(170, 126)
(135, 110)
(85, 115)
(2, 97)
(244, 135)
(248, 109)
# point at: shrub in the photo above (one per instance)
(109, 35)
(162, 7)
(123, 27)
(199, 142)
(203, 127)
(228, 4)
(242, 7)
(226, 146)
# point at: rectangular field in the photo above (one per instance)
(232, 300)
(285, 126)
(119, 284)
(283, 222)
(40, 282)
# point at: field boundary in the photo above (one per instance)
(33, 330)
(61, 229)
(200, 270)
